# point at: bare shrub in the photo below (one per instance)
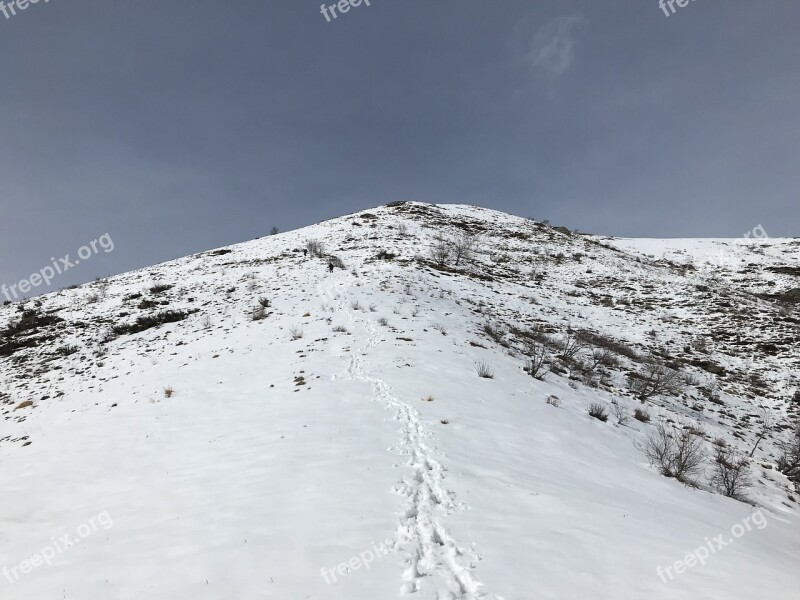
(689, 456)
(766, 425)
(296, 333)
(690, 379)
(383, 321)
(496, 334)
(553, 401)
(621, 413)
(463, 246)
(336, 262)
(660, 448)
(67, 350)
(641, 415)
(600, 357)
(603, 341)
(696, 430)
(109, 336)
(102, 287)
(168, 391)
(712, 394)
(537, 355)
(571, 346)
(440, 253)
(315, 248)
(731, 474)
(680, 456)
(598, 411)
(484, 370)
(264, 302)
(536, 333)
(789, 459)
(158, 288)
(355, 305)
(656, 380)
(701, 344)
(440, 328)
(259, 313)
(402, 229)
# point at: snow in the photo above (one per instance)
(246, 483)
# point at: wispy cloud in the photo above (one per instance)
(552, 50)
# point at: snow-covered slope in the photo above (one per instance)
(339, 443)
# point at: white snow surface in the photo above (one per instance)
(390, 469)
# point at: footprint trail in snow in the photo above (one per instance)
(432, 553)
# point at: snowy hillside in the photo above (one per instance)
(245, 424)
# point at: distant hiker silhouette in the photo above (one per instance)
(330, 267)
(305, 253)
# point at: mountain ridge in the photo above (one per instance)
(237, 376)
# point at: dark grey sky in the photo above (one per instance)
(178, 126)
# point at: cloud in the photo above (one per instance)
(552, 50)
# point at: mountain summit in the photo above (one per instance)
(437, 400)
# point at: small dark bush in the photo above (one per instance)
(598, 411)
(496, 334)
(553, 401)
(149, 321)
(29, 321)
(656, 380)
(789, 459)
(315, 248)
(677, 454)
(159, 288)
(537, 356)
(440, 328)
(731, 474)
(67, 350)
(484, 370)
(603, 341)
